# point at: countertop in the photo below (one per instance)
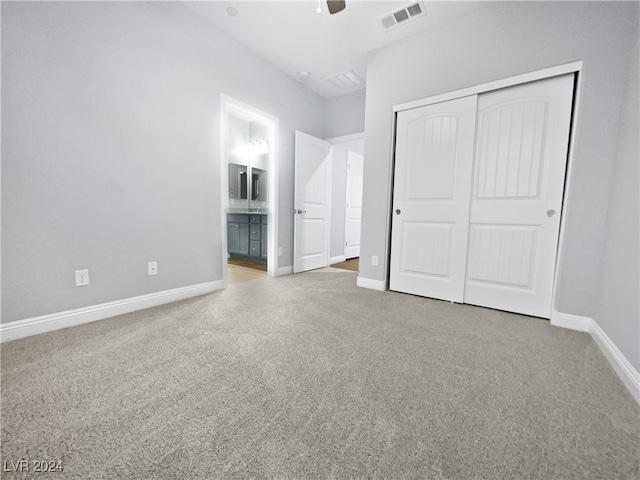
(254, 211)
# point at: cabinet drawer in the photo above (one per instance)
(254, 249)
(254, 218)
(254, 232)
(237, 218)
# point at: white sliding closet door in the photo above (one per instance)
(522, 138)
(434, 153)
(482, 227)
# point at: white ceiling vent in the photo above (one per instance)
(395, 18)
(347, 81)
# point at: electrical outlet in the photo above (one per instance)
(82, 278)
(152, 268)
(374, 260)
(279, 251)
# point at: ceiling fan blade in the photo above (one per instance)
(336, 6)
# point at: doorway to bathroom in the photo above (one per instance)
(249, 191)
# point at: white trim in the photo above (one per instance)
(572, 322)
(629, 375)
(46, 323)
(568, 185)
(329, 179)
(494, 85)
(346, 138)
(230, 104)
(379, 285)
(272, 196)
(224, 188)
(388, 221)
(338, 259)
(284, 271)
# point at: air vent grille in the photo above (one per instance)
(388, 22)
(414, 9)
(402, 15)
(347, 81)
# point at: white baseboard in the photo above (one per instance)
(627, 373)
(55, 321)
(572, 322)
(338, 259)
(379, 285)
(284, 271)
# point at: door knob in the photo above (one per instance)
(398, 211)
(551, 213)
(301, 211)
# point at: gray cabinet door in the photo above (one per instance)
(238, 238)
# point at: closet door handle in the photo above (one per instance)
(398, 212)
(551, 213)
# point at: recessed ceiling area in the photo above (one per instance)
(293, 37)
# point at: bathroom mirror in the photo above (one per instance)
(258, 185)
(247, 147)
(238, 182)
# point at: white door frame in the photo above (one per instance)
(231, 105)
(575, 68)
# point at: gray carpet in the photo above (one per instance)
(308, 375)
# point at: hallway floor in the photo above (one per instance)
(240, 271)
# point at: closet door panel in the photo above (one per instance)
(520, 161)
(434, 151)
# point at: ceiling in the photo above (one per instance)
(294, 38)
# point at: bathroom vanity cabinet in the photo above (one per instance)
(247, 236)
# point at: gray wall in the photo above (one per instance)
(238, 136)
(618, 313)
(111, 149)
(344, 115)
(499, 40)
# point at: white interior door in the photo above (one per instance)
(353, 216)
(312, 205)
(522, 140)
(432, 188)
